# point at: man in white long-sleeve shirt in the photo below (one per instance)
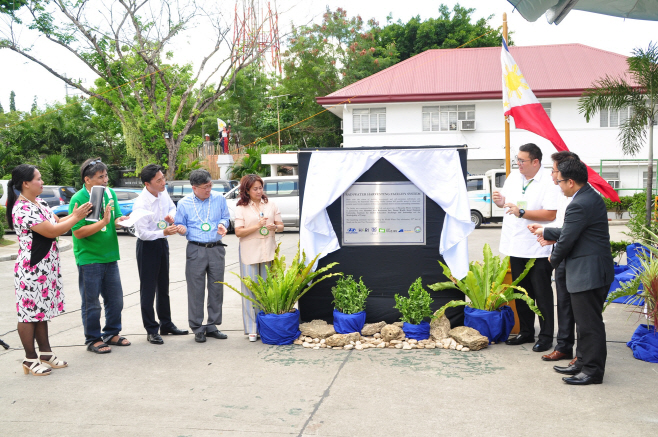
(153, 253)
(565, 320)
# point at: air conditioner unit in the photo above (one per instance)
(466, 124)
(614, 183)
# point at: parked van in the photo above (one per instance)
(283, 190)
(480, 189)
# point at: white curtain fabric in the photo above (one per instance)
(436, 172)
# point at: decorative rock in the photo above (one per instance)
(439, 328)
(297, 342)
(459, 347)
(316, 347)
(352, 343)
(453, 347)
(306, 344)
(412, 341)
(399, 324)
(348, 347)
(469, 337)
(430, 346)
(406, 347)
(419, 346)
(398, 346)
(323, 341)
(377, 334)
(465, 349)
(392, 332)
(372, 328)
(381, 345)
(317, 329)
(323, 345)
(395, 341)
(336, 347)
(358, 343)
(341, 339)
(316, 340)
(358, 347)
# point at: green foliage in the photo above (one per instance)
(12, 101)
(350, 296)
(3, 221)
(57, 170)
(250, 164)
(636, 224)
(647, 277)
(618, 249)
(283, 287)
(622, 206)
(636, 89)
(483, 284)
(416, 307)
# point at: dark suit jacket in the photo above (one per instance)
(583, 242)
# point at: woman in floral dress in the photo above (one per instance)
(37, 277)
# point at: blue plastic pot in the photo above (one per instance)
(278, 329)
(418, 332)
(495, 325)
(348, 323)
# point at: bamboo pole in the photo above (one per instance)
(508, 164)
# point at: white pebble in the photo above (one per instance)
(337, 347)
(322, 345)
(306, 344)
(352, 343)
(381, 345)
(377, 335)
(316, 347)
(309, 340)
(358, 343)
(316, 340)
(465, 349)
(407, 347)
(430, 346)
(412, 341)
(459, 347)
(398, 346)
(348, 347)
(358, 347)
(323, 341)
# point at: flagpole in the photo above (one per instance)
(508, 166)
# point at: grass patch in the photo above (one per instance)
(5, 242)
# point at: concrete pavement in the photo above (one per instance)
(234, 387)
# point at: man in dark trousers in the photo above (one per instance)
(153, 253)
(583, 243)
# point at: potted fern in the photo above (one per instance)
(349, 305)
(415, 309)
(277, 294)
(483, 286)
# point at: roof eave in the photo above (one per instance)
(480, 95)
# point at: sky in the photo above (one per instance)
(614, 34)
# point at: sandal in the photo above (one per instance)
(36, 368)
(53, 361)
(118, 342)
(97, 349)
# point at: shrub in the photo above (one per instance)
(637, 224)
(350, 296)
(618, 249)
(415, 307)
(3, 221)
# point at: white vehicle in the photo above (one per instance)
(480, 189)
(283, 190)
(3, 192)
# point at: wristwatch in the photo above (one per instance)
(521, 212)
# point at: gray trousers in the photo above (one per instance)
(202, 262)
(248, 309)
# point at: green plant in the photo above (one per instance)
(250, 164)
(57, 170)
(618, 249)
(415, 307)
(283, 287)
(3, 221)
(350, 296)
(483, 285)
(637, 225)
(619, 207)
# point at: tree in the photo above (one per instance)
(34, 105)
(2, 110)
(126, 44)
(12, 101)
(450, 30)
(57, 170)
(640, 94)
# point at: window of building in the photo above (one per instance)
(612, 177)
(370, 120)
(614, 117)
(547, 108)
(446, 117)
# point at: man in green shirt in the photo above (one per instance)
(96, 250)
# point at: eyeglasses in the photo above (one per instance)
(91, 164)
(561, 180)
(204, 187)
(522, 161)
(555, 171)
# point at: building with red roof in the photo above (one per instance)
(454, 96)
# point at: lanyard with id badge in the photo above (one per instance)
(523, 204)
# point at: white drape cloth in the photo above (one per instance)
(436, 172)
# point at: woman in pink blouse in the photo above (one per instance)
(256, 221)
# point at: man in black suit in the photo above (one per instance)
(583, 243)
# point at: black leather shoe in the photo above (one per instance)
(154, 339)
(541, 347)
(200, 337)
(568, 370)
(520, 339)
(217, 334)
(582, 379)
(173, 330)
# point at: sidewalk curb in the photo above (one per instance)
(64, 245)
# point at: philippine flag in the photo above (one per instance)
(520, 102)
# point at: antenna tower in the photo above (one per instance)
(256, 30)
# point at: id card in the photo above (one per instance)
(522, 204)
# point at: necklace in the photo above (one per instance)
(263, 230)
(205, 226)
(37, 205)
